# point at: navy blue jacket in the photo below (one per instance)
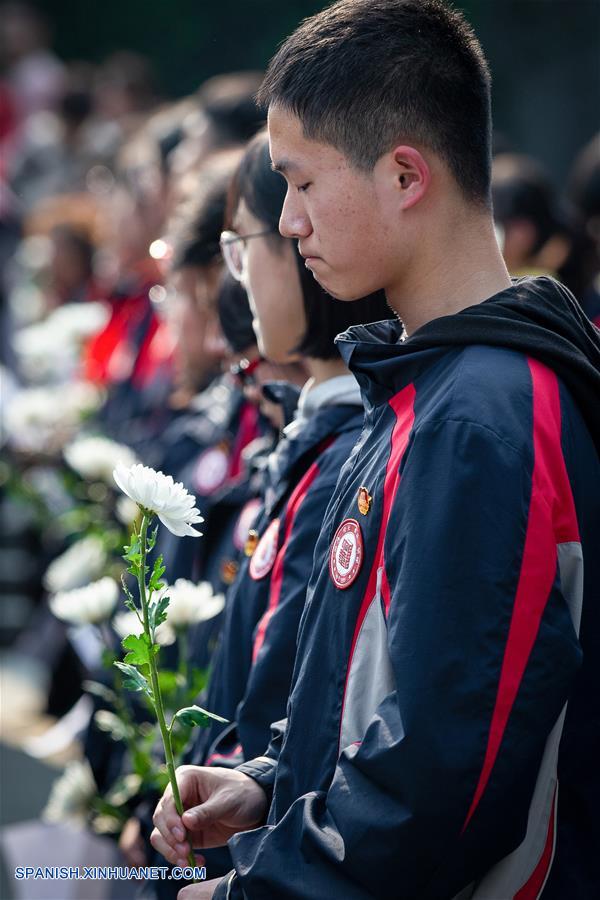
(443, 725)
(256, 652)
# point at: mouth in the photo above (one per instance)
(307, 257)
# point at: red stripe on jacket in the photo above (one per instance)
(403, 406)
(294, 503)
(551, 520)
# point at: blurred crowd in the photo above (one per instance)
(127, 336)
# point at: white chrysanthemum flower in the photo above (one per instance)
(95, 457)
(71, 794)
(157, 492)
(126, 623)
(89, 605)
(84, 560)
(191, 603)
(78, 321)
(48, 416)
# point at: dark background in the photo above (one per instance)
(544, 54)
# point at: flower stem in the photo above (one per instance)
(158, 704)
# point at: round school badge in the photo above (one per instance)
(346, 554)
(263, 557)
(244, 523)
(211, 470)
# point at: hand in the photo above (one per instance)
(218, 802)
(131, 843)
(203, 890)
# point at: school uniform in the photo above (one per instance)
(442, 731)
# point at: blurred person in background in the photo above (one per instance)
(223, 115)
(584, 195)
(536, 239)
(33, 73)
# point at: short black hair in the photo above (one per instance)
(522, 189)
(364, 74)
(229, 103)
(263, 191)
(196, 231)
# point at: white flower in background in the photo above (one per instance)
(44, 418)
(89, 605)
(157, 492)
(191, 603)
(126, 510)
(51, 348)
(82, 561)
(126, 623)
(78, 321)
(95, 457)
(71, 794)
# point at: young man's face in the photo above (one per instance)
(340, 216)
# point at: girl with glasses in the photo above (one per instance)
(294, 320)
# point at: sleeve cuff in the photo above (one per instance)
(262, 770)
(228, 888)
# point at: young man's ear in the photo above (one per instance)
(412, 175)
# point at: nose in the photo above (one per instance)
(294, 222)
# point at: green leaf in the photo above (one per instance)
(158, 570)
(157, 612)
(140, 649)
(129, 598)
(152, 539)
(198, 681)
(134, 680)
(195, 715)
(110, 723)
(133, 551)
(108, 658)
(168, 681)
(99, 690)
(123, 789)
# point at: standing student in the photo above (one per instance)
(442, 728)
(295, 321)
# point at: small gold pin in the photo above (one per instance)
(251, 542)
(229, 570)
(364, 501)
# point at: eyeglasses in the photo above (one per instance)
(232, 248)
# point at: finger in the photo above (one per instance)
(161, 845)
(168, 822)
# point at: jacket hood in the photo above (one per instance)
(535, 316)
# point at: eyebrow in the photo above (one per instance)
(284, 165)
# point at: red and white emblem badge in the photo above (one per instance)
(211, 470)
(346, 554)
(263, 557)
(245, 523)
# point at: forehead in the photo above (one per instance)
(291, 151)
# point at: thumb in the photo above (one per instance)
(209, 811)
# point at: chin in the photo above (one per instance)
(341, 292)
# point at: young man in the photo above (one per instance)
(439, 690)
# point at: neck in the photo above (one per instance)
(324, 369)
(458, 265)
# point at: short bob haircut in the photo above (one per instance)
(263, 191)
(364, 75)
